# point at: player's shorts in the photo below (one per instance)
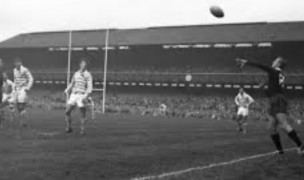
(9, 98)
(243, 111)
(277, 104)
(20, 96)
(77, 99)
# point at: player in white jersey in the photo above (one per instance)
(243, 101)
(78, 91)
(23, 80)
(8, 90)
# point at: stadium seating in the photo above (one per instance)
(155, 64)
(171, 75)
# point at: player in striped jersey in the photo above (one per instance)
(23, 80)
(243, 101)
(78, 91)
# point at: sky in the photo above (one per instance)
(23, 16)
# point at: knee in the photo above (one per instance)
(286, 127)
(22, 111)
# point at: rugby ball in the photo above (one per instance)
(217, 11)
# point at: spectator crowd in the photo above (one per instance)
(171, 75)
(203, 106)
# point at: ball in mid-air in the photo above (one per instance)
(217, 11)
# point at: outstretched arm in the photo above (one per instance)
(243, 62)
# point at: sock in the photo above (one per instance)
(294, 136)
(277, 141)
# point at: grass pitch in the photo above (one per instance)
(125, 146)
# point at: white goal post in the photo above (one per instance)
(103, 89)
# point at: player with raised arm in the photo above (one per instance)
(23, 80)
(78, 91)
(277, 112)
(243, 101)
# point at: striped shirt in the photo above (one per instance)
(243, 100)
(81, 83)
(8, 87)
(23, 78)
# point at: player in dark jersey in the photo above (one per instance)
(277, 112)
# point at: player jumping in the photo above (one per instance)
(277, 112)
(243, 101)
(78, 91)
(23, 80)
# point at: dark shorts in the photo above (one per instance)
(277, 104)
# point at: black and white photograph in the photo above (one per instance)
(152, 90)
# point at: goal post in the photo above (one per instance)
(69, 61)
(104, 83)
(105, 72)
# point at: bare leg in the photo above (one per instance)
(273, 131)
(68, 118)
(22, 114)
(82, 119)
(244, 124)
(283, 122)
(239, 123)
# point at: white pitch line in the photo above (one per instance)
(176, 173)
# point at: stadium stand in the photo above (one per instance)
(164, 55)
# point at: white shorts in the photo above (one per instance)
(8, 98)
(20, 96)
(77, 99)
(243, 111)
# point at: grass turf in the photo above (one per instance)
(124, 147)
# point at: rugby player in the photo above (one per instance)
(243, 101)
(78, 91)
(23, 80)
(8, 89)
(277, 112)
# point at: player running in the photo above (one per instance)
(243, 101)
(277, 112)
(23, 80)
(8, 89)
(78, 91)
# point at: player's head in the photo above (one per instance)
(241, 91)
(18, 62)
(279, 62)
(83, 64)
